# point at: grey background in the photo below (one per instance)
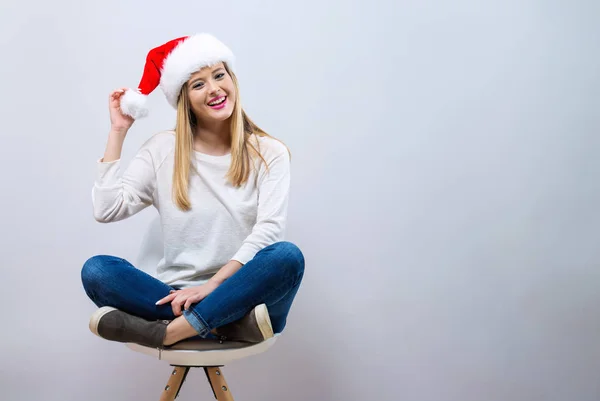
(445, 194)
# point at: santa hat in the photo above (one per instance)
(170, 65)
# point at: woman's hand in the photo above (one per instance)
(118, 121)
(187, 297)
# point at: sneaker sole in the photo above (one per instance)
(95, 319)
(264, 321)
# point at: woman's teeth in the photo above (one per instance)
(217, 101)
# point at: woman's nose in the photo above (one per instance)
(214, 89)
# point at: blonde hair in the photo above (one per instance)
(242, 148)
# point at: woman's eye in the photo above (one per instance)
(220, 75)
(199, 85)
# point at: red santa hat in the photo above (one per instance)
(170, 65)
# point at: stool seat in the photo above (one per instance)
(204, 352)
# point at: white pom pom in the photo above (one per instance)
(133, 104)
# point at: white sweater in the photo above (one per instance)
(225, 223)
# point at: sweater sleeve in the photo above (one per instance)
(273, 194)
(116, 196)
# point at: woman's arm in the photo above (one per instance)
(115, 197)
(273, 193)
(225, 272)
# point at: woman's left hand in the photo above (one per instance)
(187, 297)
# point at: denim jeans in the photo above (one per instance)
(272, 277)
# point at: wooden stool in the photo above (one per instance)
(208, 354)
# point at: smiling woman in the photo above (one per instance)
(221, 186)
(208, 92)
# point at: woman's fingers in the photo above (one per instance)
(180, 299)
(178, 302)
(192, 300)
(117, 93)
(176, 306)
(188, 302)
(166, 299)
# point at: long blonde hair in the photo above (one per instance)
(242, 149)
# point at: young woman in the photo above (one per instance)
(220, 185)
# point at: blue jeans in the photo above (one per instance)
(272, 277)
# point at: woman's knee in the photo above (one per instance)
(290, 256)
(95, 269)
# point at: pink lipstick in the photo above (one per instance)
(220, 103)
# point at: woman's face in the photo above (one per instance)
(212, 94)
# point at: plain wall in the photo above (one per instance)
(445, 194)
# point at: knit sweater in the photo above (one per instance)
(225, 223)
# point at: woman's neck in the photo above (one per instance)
(214, 140)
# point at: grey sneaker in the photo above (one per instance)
(255, 327)
(115, 325)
